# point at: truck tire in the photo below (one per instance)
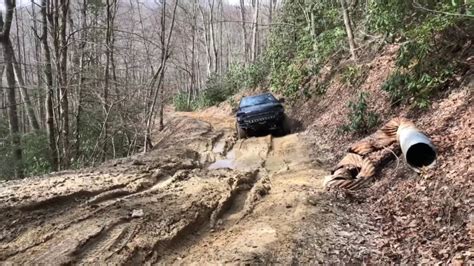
(285, 125)
(241, 133)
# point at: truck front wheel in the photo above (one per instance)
(241, 133)
(285, 125)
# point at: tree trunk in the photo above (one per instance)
(212, 35)
(162, 104)
(41, 98)
(192, 84)
(24, 94)
(159, 75)
(12, 108)
(10, 74)
(206, 42)
(347, 23)
(20, 81)
(108, 49)
(50, 129)
(77, 134)
(270, 12)
(3, 95)
(221, 28)
(61, 9)
(245, 47)
(255, 31)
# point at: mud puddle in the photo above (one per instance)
(227, 163)
(273, 154)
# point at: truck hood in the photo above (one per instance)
(255, 109)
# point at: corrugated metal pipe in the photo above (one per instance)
(371, 153)
(418, 150)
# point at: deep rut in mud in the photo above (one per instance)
(199, 196)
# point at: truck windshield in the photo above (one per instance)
(257, 100)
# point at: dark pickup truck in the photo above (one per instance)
(259, 113)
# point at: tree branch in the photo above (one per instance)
(419, 6)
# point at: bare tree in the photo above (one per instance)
(80, 87)
(158, 76)
(37, 58)
(207, 41)
(104, 74)
(221, 28)
(255, 30)
(212, 35)
(20, 81)
(111, 8)
(8, 55)
(58, 15)
(347, 23)
(245, 48)
(24, 94)
(48, 73)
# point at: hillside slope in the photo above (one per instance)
(425, 217)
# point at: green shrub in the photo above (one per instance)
(217, 91)
(351, 75)
(387, 16)
(421, 69)
(297, 49)
(416, 86)
(180, 102)
(36, 158)
(254, 74)
(289, 84)
(35, 154)
(321, 88)
(361, 119)
(219, 88)
(395, 85)
(328, 42)
(7, 163)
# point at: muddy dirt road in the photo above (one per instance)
(200, 196)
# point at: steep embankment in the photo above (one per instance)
(421, 218)
(426, 217)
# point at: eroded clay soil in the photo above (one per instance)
(200, 196)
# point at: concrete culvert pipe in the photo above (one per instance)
(417, 148)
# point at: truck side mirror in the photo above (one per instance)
(281, 100)
(235, 109)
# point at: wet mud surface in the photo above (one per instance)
(200, 196)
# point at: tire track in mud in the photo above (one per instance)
(56, 238)
(50, 202)
(191, 212)
(251, 228)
